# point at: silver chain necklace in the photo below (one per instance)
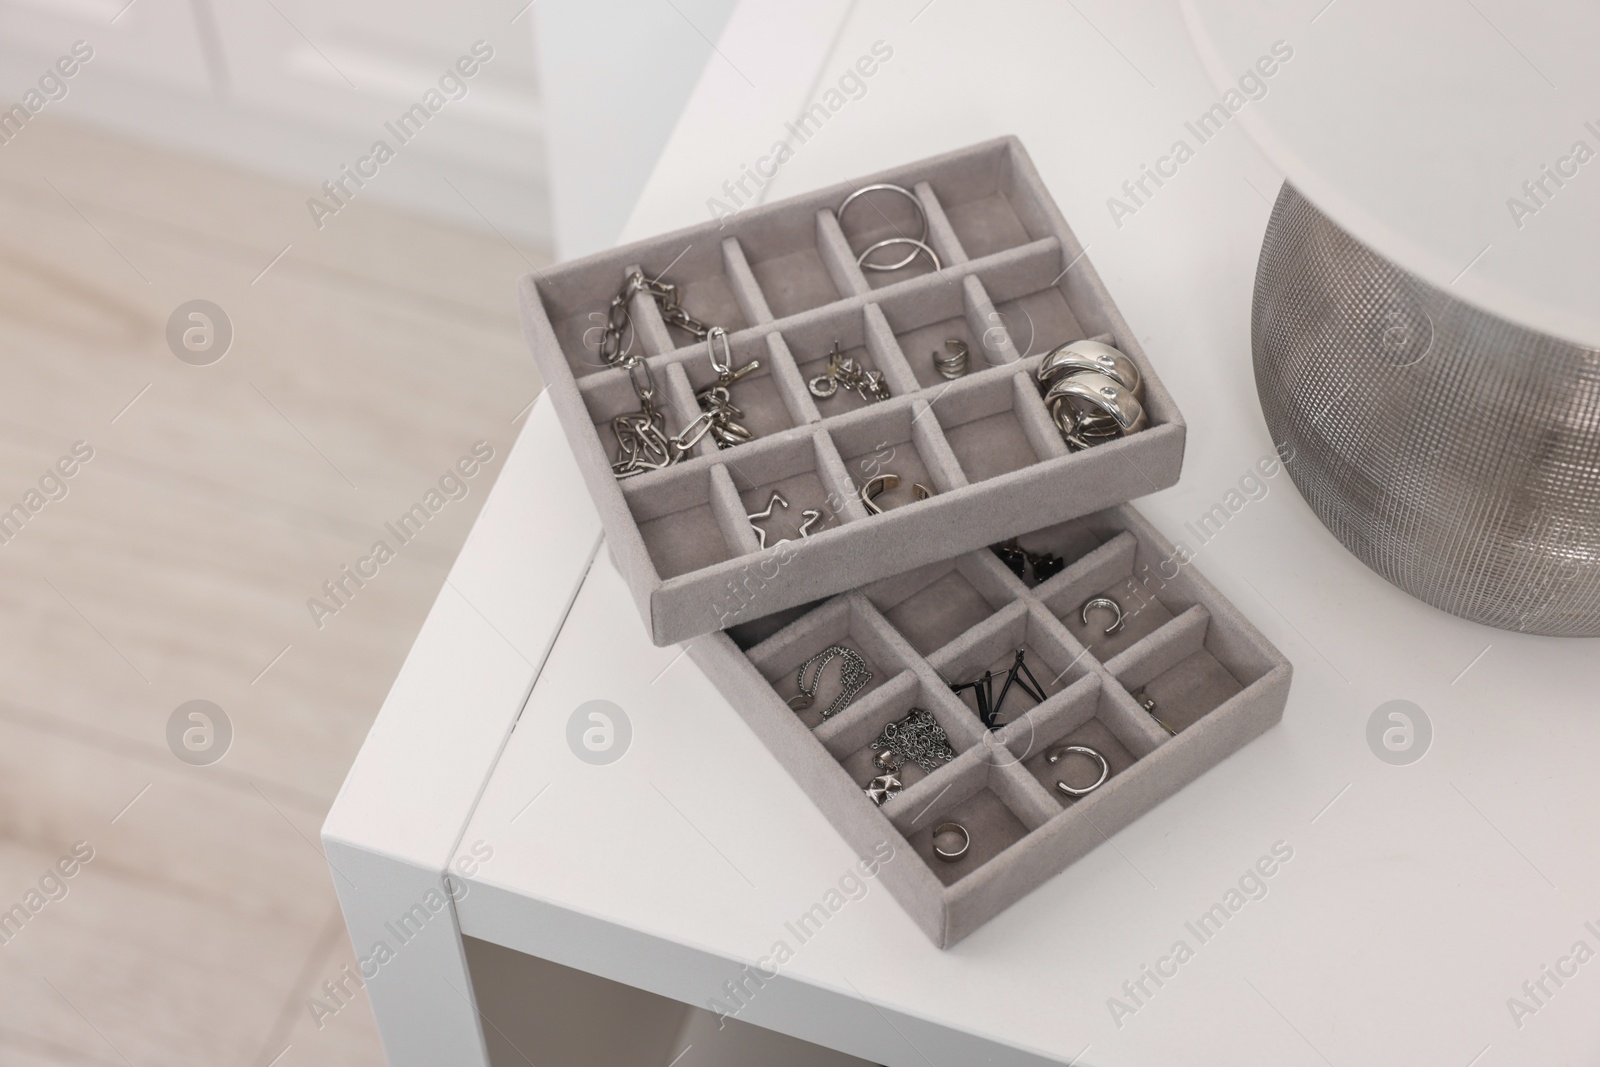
(853, 676)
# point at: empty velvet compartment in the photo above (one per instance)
(1040, 321)
(849, 621)
(986, 208)
(785, 256)
(933, 605)
(988, 799)
(1190, 667)
(1053, 658)
(701, 272)
(997, 424)
(1086, 715)
(924, 317)
(1123, 570)
(769, 396)
(678, 519)
(848, 736)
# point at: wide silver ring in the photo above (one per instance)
(933, 257)
(887, 187)
(1055, 755)
(1090, 392)
(1108, 604)
(880, 483)
(1075, 356)
(951, 855)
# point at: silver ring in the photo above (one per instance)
(1088, 394)
(953, 364)
(1056, 754)
(1102, 602)
(886, 187)
(861, 260)
(951, 855)
(1076, 356)
(881, 483)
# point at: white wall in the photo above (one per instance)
(296, 88)
(616, 73)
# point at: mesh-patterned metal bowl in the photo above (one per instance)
(1456, 454)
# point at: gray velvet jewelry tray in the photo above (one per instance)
(1216, 682)
(783, 281)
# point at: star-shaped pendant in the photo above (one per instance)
(881, 788)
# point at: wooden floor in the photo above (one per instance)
(178, 565)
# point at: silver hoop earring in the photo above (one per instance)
(1055, 755)
(889, 242)
(1098, 398)
(1076, 356)
(885, 187)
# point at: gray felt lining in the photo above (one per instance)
(747, 291)
(782, 279)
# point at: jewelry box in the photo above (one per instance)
(841, 376)
(1181, 682)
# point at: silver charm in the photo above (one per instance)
(844, 371)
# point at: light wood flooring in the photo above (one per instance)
(365, 361)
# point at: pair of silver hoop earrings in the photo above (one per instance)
(1094, 393)
(918, 245)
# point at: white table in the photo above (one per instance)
(1418, 899)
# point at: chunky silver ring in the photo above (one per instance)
(933, 257)
(1090, 392)
(881, 483)
(1055, 755)
(1075, 356)
(1108, 604)
(951, 855)
(886, 187)
(953, 364)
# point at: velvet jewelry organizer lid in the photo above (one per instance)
(978, 457)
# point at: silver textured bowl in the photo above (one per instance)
(1455, 453)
